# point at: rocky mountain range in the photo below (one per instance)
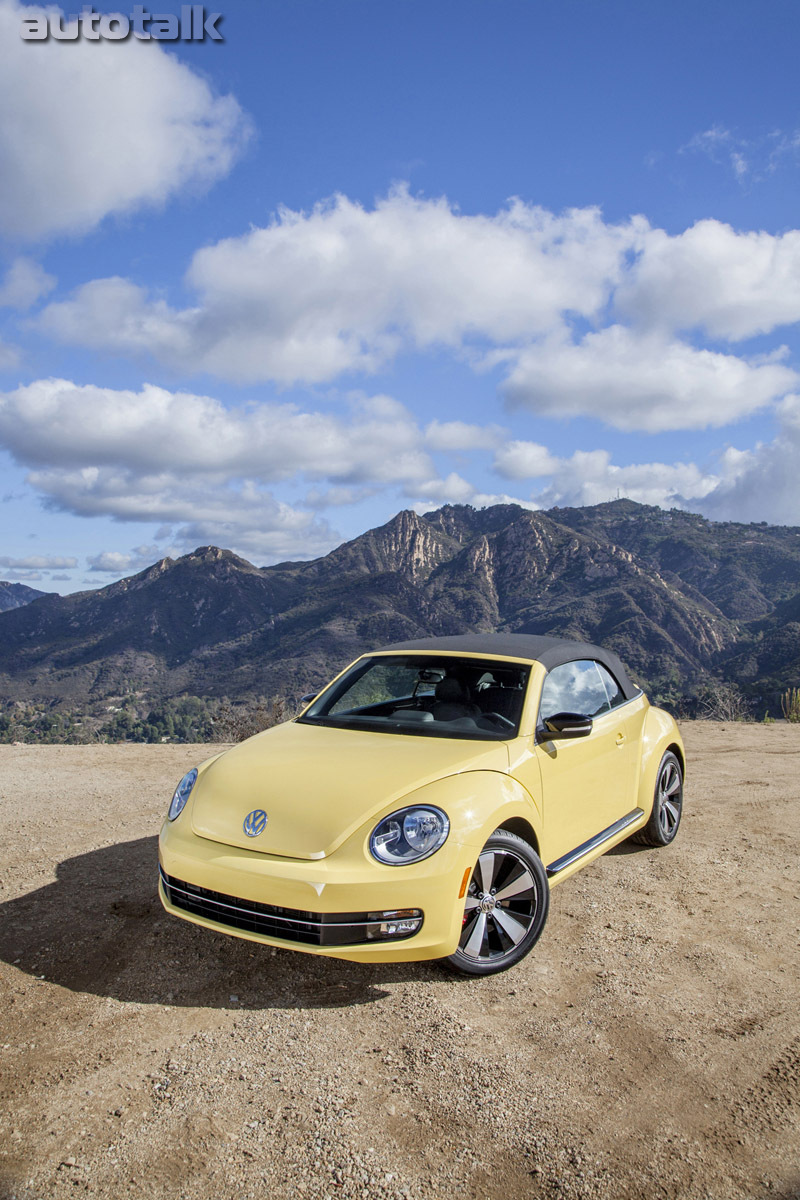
(14, 595)
(678, 597)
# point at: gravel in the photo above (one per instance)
(648, 1047)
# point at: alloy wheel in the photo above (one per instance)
(501, 906)
(670, 798)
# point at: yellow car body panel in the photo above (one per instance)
(325, 790)
(350, 880)
(320, 784)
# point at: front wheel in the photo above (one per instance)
(506, 907)
(667, 804)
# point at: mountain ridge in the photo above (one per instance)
(680, 598)
(15, 595)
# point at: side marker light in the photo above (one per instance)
(465, 883)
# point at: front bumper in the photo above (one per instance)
(272, 920)
(329, 906)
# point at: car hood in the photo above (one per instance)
(318, 785)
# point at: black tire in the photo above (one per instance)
(498, 932)
(665, 818)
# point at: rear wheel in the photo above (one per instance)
(505, 909)
(665, 818)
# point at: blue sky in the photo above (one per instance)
(364, 255)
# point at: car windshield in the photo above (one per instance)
(426, 695)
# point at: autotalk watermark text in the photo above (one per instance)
(193, 25)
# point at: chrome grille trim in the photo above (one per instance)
(270, 920)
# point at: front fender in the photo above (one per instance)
(659, 734)
(477, 802)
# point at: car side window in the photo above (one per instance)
(574, 687)
(613, 690)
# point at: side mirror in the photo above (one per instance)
(565, 725)
(309, 696)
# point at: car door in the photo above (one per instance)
(629, 716)
(586, 783)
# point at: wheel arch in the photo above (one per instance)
(679, 753)
(478, 802)
(659, 736)
(500, 929)
(522, 829)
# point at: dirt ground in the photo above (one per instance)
(648, 1047)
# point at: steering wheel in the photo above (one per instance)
(502, 721)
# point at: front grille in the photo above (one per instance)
(271, 920)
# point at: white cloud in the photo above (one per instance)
(452, 490)
(762, 484)
(477, 499)
(586, 477)
(458, 435)
(487, 499)
(643, 382)
(115, 314)
(9, 356)
(524, 460)
(25, 282)
(337, 497)
(101, 128)
(240, 515)
(23, 576)
(590, 477)
(751, 160)
(744, 485)
(733, 285)
(39, 562)
(203, 474)
(723, 146)
(261, 529)
(100, 432)
(202, 470)
(343, 288)
(115, 562)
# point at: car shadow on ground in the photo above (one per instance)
(100, 928)
(629, 847)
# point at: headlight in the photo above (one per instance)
(409, 835)
(182, 794)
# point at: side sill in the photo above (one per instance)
(585, 848)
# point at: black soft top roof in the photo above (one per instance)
(549, 651)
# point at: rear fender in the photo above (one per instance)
(659, 734)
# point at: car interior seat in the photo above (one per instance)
(506, 702)
(453, 700)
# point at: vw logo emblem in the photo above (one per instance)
(254, 822)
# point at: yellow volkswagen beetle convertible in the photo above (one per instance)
(424, 803)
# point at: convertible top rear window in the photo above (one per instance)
(426, 695)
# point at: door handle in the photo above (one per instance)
(620, 738)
